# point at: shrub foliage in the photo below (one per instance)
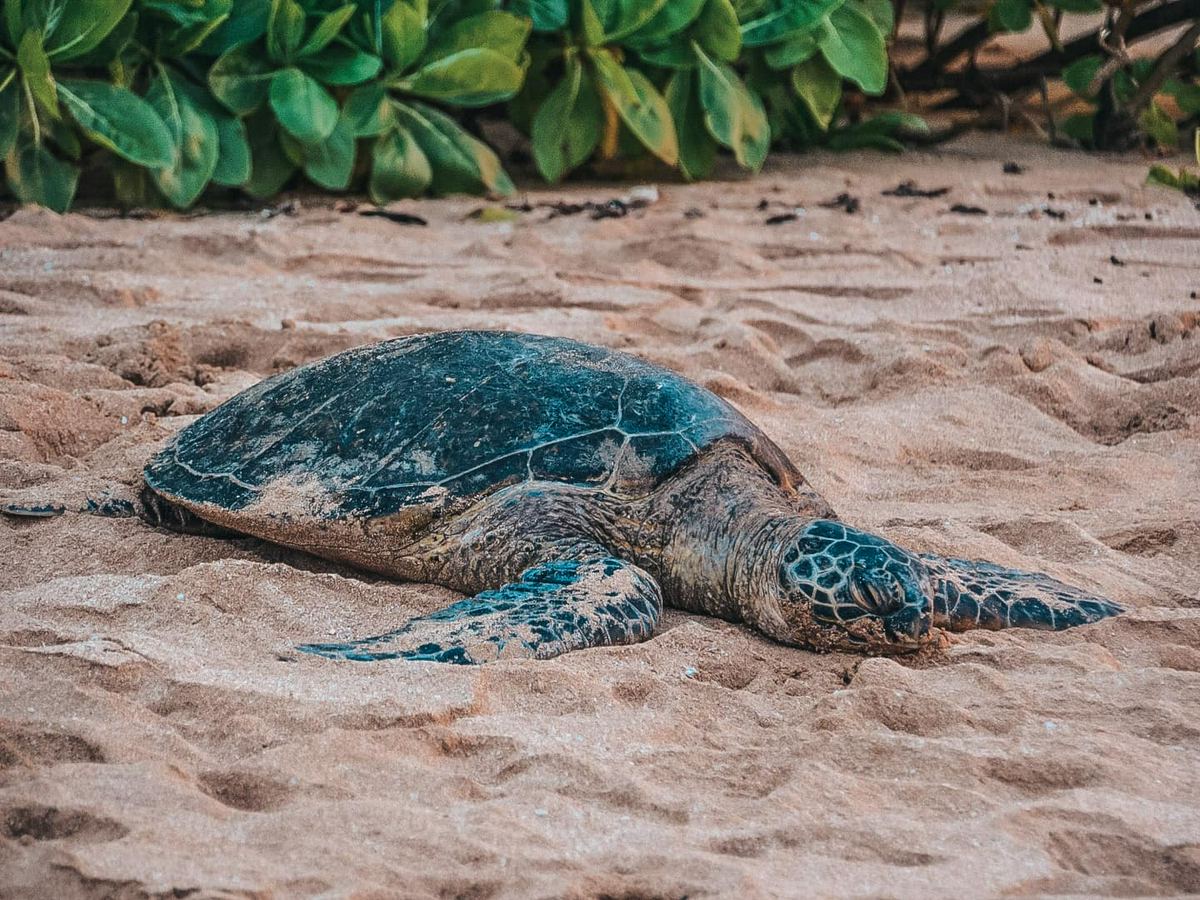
(175, 95)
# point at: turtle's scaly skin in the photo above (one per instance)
(570, 489)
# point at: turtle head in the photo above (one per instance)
(845, 589)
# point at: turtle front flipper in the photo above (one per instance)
(971, 594)
(554, 608)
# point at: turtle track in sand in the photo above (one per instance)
(152, 706)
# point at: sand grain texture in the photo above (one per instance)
(991, 386)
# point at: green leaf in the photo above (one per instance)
(241, 79)
(697, 149)
(1186, 95)
(1078, 75)
(329, 28)
(879, 132)
(733, 114)
(716, 30)
(108, 52)
(303, 107)
(676, 53)
(881, 12)
(342, 66)
(1160, 127)
(1140, 69)
(1076, 6)
(800, 47)
(1183, 180)
(591, 24)
(783, 21)
(331, 163)
(468, 78)
(116, 118)
(233, 156)
(10, 116)
(403, 31)
(292, 148)
(285, 30)
(1081, 127)
(82, 25)
(673, 18)
(500, 32)
(603, 11)
(820, 87)
(568, 124)
(399, 168)
(894, 121)
(247, 22)
(190, 12)
(35, 175)
(1010, 15)
(15, 21)
(368, 110)
(855, 48)
(65, 137)
(1124, 84)
(791, 124)
(460, 163)
(194, 134)
(187, 40)
(546, 15)
(631, 16)
(1160, 174)
(640, 106)
(270, 168)
(133, 186)
(852, 139)
(35, 68)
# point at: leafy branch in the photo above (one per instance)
(170, 98)
(1097, 65)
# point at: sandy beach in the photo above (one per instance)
(1009, 371)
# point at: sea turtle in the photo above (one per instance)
(571, 491)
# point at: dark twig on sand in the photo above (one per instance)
(399, 218)
(843, 201)
(781, 218)
(910, 189)
(615, 208)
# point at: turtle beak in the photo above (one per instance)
(908, 626)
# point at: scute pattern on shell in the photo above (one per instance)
(433, 419)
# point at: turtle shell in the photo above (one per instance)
(435, 422)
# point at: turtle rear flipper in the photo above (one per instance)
(971, 594)
(20, 510)
(554, 608)
(107, 505)
(160, 512)
(120, 503)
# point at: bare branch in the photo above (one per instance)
(978, 86)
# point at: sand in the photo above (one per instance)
(1021, 385)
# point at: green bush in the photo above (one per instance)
(1184, 180)
(170, 96)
